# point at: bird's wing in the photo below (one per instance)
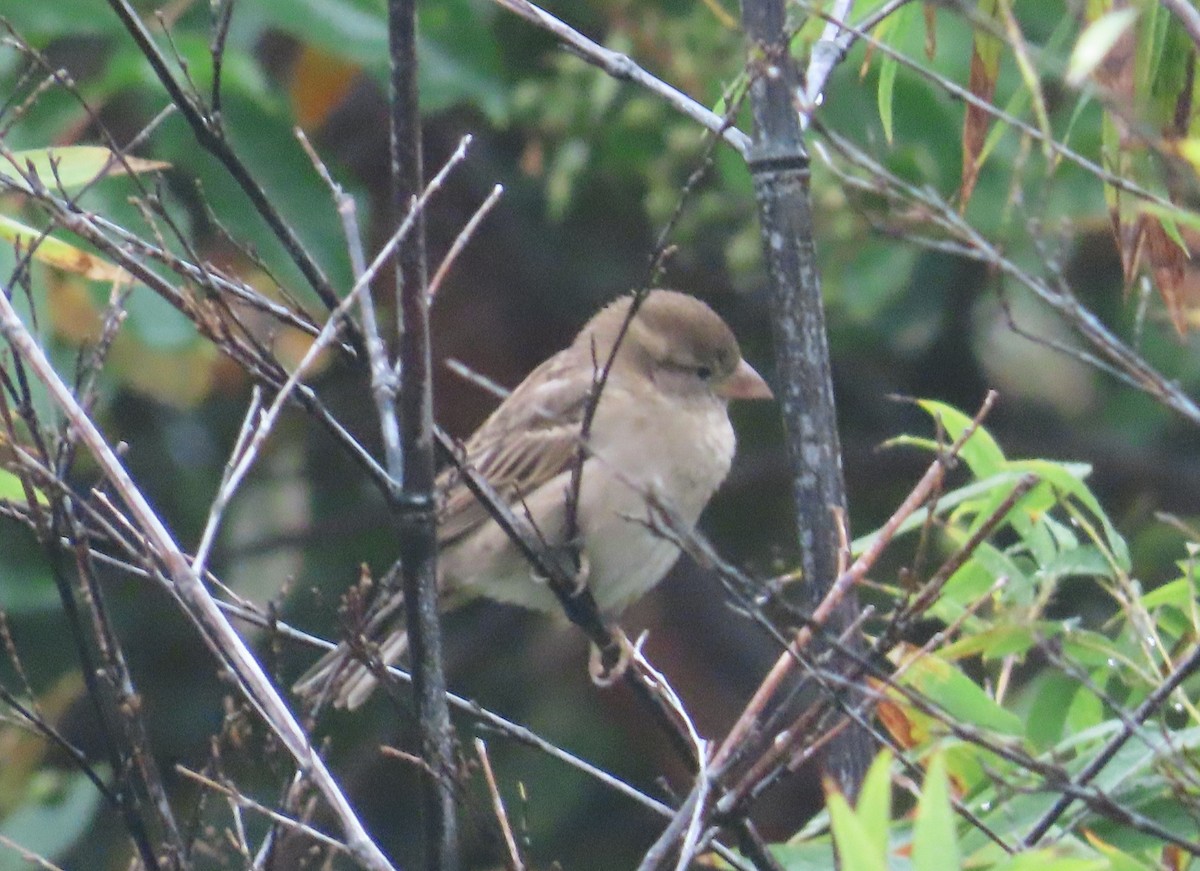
(531, 438)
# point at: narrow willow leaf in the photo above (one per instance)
(887, 85)
(1020, 98)
(954, 692)
(894, 31)
(981, 452)
(875, 802)
(71, 167)
(935, 843)
(1097, 40)
(1029, 75)
(855, 848)
(1174, 214)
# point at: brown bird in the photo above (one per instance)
(661, 427)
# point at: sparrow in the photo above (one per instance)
(660, 432)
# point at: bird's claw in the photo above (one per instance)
(609, 665)
(583, 570)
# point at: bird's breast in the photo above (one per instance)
(676, 457)
(683, 453)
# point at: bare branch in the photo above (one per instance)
(460, 241)
(244, 801)
(620, 67)
(510, 843)
(208, 134)
(220, 635)
(412, 470)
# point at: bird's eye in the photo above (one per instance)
(704, 372)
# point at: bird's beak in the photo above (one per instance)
(744, 383)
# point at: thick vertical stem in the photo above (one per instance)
(418, 522)
(779, 166)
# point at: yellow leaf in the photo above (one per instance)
(56, 252)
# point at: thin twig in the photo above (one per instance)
(460, 241)
(28, 855)
(827, 52)
(1188, 666)
(845, 582)
(979, 248)
(510, 843)
(622, 68)
(964, 94)
(383, 386)
(208, 134)
(200, 606)
(241, 800)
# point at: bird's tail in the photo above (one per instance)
(340, 678)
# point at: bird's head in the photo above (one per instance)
(677, 342)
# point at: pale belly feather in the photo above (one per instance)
(624, 556)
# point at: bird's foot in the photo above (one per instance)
(608, 665)
(583, 570)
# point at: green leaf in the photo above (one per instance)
(1068, 478)
(40, 23)
(11, 487)
(1176, 594)
(460, 62)
(1096, 41)
(1085, 712)
(1050, 859)
(1001, 640)
(1090, 649)
(935, 843)
(69, 168)
(855, 847)
(981, 452)
(807, 855)
(13, 490)
(962, 497)
(959, 696)
(1020, 98)
(978, 575)
(265, 140)
(888, 66)
(26, 586)
(1082, 561)
(875, 802)
(1117, 859)
(885, 92)
(1048, 713)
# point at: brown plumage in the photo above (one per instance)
(660, 426)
